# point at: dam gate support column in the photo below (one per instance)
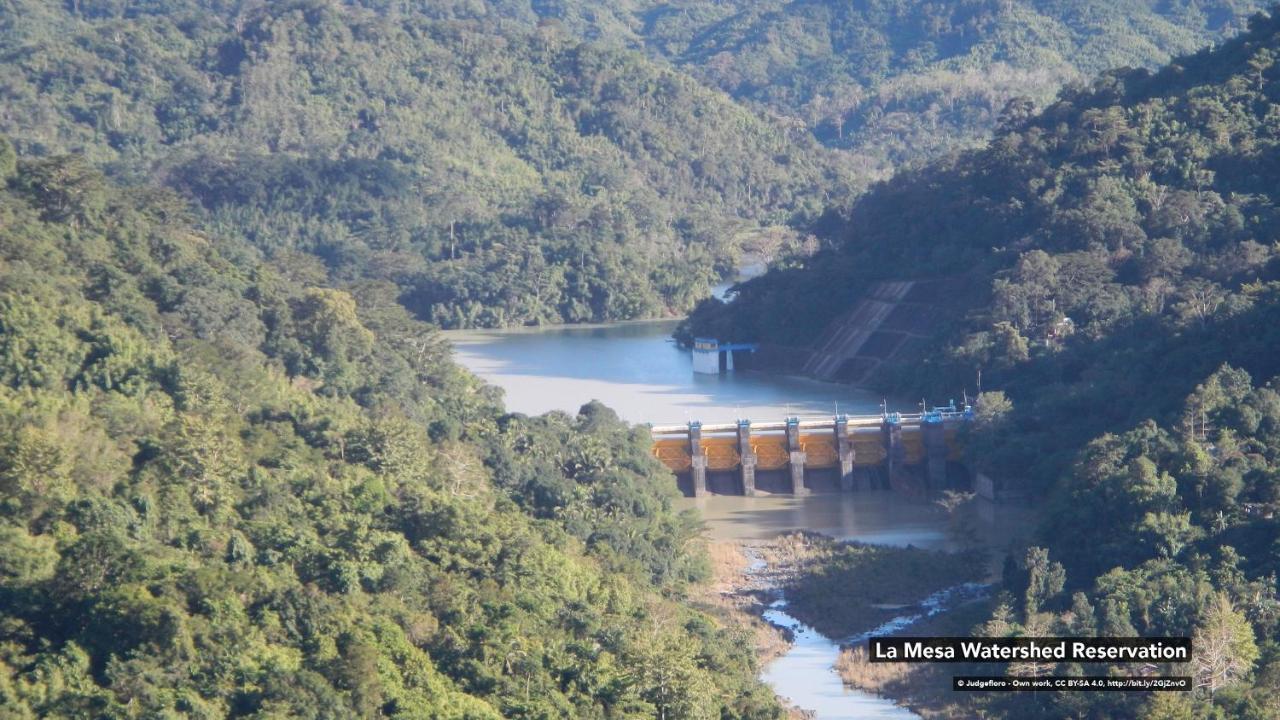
(934, 437)
(748, 466)
(797, 457)
(895, 454)
(844, 451)
(698, 454)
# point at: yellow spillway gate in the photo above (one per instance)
(722, 453)
(820, 450)
(868, 449)
(674, 453)
(771, 453)
(913, 446)
(955, 450)
(870, 439)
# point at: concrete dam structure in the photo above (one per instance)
(915, 453)
(889, 320)
(890, 324)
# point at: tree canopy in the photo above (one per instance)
(511, 163)
(227, 493)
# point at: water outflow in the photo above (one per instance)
(636, 370)
(806, 677)
(806, 674)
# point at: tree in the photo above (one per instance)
(1168, 706)
(35, 471)
(1009, 344)
(1199, 300)
(330, 326)
(1168, 533)
(1045, 579)
(669, 676)
(67, 188)
(27, 559)
(356, 671)
(1003, 622)
(1017, 111)
(1037, 273)
(992, 409)
(1224, 646)
(1260, 63)
(8, 160)
(1084, 622)
(1116, 619)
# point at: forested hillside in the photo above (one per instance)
(506, 163)
(905, 81)
(1123, 304)
(893, 81)
(498, 173)
(225, 492)
(1123, 237)
(1168, 530)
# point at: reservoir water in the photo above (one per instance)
(635, 369)
(638, 371)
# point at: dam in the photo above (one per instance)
(916, 454)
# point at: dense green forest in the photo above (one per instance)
(497, 173)
(1123, 304)
(240, 476)
(227, 493)
(1164, 530)
(892, 81)
(506, 163)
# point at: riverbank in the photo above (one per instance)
(925, 688)
(845, 589)
(740, 592)
(875, 588)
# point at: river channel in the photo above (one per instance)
(635, 369)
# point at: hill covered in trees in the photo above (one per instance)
(498, 173)
(511, 163)
(893, 81)
(902, 82)
(1122, 304)
(227, 493)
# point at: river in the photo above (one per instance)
(806, 676)
(635, 369)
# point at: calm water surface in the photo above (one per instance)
(635, 369)
(880, 517)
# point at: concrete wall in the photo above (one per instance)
(706, 362)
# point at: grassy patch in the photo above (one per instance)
(733, 597)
